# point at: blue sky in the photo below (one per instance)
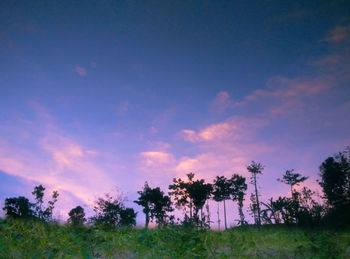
(102, 94)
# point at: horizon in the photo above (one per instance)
(99, 96)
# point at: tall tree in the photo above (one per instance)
(191, 195)
(155, 204)
(199, 192)
(335, 179)
(238, 189)
(179, 190)
(255, 169)
(292, 179)
(41, 212)
(111, 212)
(144, 200)
(18, 207)
(77, 216)
(222, 192)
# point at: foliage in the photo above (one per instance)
(111, 212)
(292, 179)
(238, 189)
(191, 195)
(39, 210)
(335, 179)
(222, 189)
(18, 207)
(155, 204)
(77, 216)
(28, 239)
(255, 169)
(335, 182)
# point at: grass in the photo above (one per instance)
(19, 239)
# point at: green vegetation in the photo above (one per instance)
(35, 239)
(287, 227)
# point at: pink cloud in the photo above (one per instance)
(123, 108)
(234, 128)
(338, 34)
(80, 70)
(222, 102)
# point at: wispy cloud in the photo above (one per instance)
(339, 34)
(81, 71)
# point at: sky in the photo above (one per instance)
(100, 96)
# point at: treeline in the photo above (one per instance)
(191, 196)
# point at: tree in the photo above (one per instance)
(41, 212)
(18, 208)
(222, 192)
(144, 200)
(335, 182)
(127, 217)
(335, 179)
(199, 191)
(238, 189)
(111, 212)
(179, 190)
(292, 179)
(77, 216)
(190, 195)
(255, 169)
(155, 204)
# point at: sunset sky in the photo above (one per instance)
(99, 95)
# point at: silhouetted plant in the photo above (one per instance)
(41, 212)
(179, 190)
(77, 216)
(19, 207)
(255, 169)
(199, 191)
(155, 204)
(237, 192)
(127, 217)
(335, 182)
(292, 179)
(110, 212)
(191, 195)
(221, 192)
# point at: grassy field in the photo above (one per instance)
(20, 239)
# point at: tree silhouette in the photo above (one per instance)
(292, 179)
(77, 216)
(335, 182)
(179, 190)
(222, 192)
(255, 169)
(155, 204)
(335, 179)
(199, 192)
(111, 212)
(192, 195)
(238, 189)
(41, 212)
(18, 208)
(127, 217)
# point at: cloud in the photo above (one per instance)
(123, 108)
(222, 102)
(58, 161)
(155, 158)
(80, 70)
(234, 128)
(339, 34)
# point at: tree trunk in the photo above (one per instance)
(218, 214)
(257, 201)
(147, 220)
(225, 215)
